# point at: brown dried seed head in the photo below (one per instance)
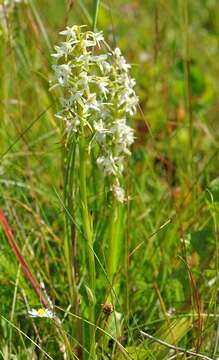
(107, 308)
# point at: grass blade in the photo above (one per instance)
(96, 5)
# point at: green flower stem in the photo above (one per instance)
(113, 254)
(69, 239)
(87, 228)
(69, 267)
(114, 240)
(112, 251)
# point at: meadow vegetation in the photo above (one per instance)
(96, 259)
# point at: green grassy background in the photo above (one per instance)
(171, 223)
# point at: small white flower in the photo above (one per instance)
(84, 80)
(103, 85)
(124, 135)
(212, 281)
(88, 43)
(101, 131)
(67, 103)
(110, 165)
(92, 103)
(98, 36)
(129, 102)
(118, 192)
(72, 124)
(106, 67)
(99, 127)
(65, 48)
(63, 73)
(171, 311)
(41, 313)
(69, 32)
(107, 164)
(120, 60)
(93, 39)
(117, 52)
(99, 58)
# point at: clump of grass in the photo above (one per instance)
(152, 226)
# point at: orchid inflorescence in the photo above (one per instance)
(97, 91)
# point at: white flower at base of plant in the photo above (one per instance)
(118, 192)
(98, 91)
(108, 164)
(41, 313)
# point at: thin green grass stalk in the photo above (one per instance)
(188, 95)
(88, 233)
(41, 25)
(63, 336)
(213, 211)
(4, 82)
(96, 5)
(85, 11)
(187, 73)
(126, 262)
(70, 241)
(26, 336)
(67, 239)
(13, 305)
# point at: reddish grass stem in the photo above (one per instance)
(25, 268)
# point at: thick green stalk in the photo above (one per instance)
(87, 229)
(70, 242)
(112, 251)
(67, 238)
(113, 254)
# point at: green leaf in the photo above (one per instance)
(214, 189)
(201, 241)
(96, 5)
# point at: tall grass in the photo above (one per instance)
(111, 270)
